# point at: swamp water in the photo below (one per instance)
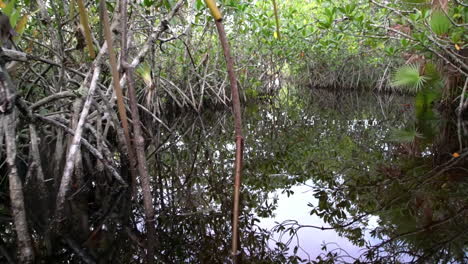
(332, 177)
(352, 164)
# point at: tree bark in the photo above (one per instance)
(236, 253)
(139, 143)
(74, 148)
(8, 122)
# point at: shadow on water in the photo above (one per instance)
(387, 178)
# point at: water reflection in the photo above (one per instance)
(293, 209)
(384, 183)
(331, 135)
(325, 139)
(363, 169)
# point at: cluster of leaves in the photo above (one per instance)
(328, 43)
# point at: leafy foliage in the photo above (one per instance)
(405, 136)
(439, 22)
(408, 76)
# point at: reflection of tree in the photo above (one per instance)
(419, 198)
(283, 148)
(191, 170)
(195, 207)
(333, 146)
(337, 141)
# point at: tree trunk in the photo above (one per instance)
(139, 143)
(8, 122)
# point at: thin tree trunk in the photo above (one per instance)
(236, 254)
(74, 148)
(275, 9)
(139, 144)
(8, 121)
(43, 194)
(118, 92)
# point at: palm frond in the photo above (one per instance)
(404, 135)
(144, 71)
(408, 77)
(435, 79)
(439, 23)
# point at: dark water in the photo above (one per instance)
(360, 165)
(380, 174)
(384, 172)
(341, 152)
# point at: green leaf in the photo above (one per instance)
(405, 42)
(199, 5)
(415, 17)
(439, 23)
(425, 13)
(390, 50)
(404, 135)
(144, 71)
(168, 4)
(408, 76)
(148, 3)
(434, 78)
(14, 18)
(330, 12)
(110, 6)
(8, 10)
(457, 35)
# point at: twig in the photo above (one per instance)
(139, 143)
(51, 98)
